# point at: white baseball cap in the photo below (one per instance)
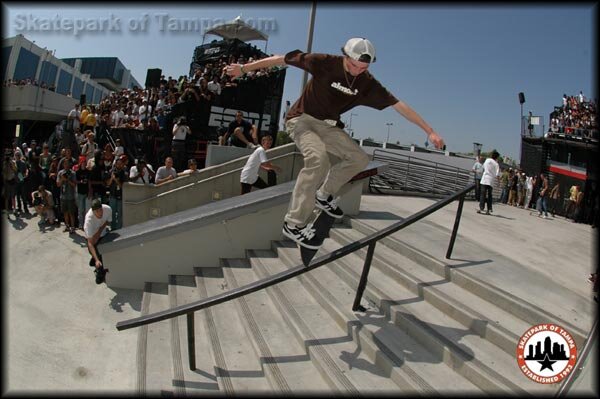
(359, 49)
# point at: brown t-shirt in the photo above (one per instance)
(331, 91)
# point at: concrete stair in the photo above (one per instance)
(427, 330)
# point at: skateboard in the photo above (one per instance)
(322, 225)
(100, 275)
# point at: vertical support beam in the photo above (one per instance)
(456, 223)
(191, 337)
(363, 278)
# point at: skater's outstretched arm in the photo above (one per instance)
(237, 70)
(410, 114)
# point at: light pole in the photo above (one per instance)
(477, 149)
(350, 122)
(311, 28)
(388, 134)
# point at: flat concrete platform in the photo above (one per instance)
(60, 326)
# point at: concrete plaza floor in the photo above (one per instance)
(60, 326)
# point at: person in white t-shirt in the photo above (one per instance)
(258, 160)
(95, 227)
(73, 118)
(491, 173)
(478, 171)
(178, 151)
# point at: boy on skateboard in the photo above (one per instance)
(338, 84)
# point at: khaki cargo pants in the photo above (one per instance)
(321, 144)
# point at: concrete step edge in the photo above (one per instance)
(529, 313)
(156, 299)
(455, 357)
(223, 379)
(201, 380)
(178, 375)
(319, 355)
(401, 372)
(261, 348)
(466, 315)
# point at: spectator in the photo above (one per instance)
(243, 133)
(555, 197)
(84, 197)
(89, 147)
(504, 180)
(97, 177)
(145, 111)
(578, 213)
(512, 187)
(191, 170)
(44, 161)
(80, 139)
(119, 150)
(165, 173)
(258, 160)
(180, 132)
(115, 183)
(67, 183)
(520, 189)
(22, 173)
(478, 172)
(95, 228)
(141, 173)
(573, 191)
(43, 203)
(68, 155)
(9, 181)
(542, 202)
(528, 191)
(73, 118)
(491, 172)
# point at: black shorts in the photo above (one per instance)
(68, 206)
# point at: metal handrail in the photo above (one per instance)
(371, 241)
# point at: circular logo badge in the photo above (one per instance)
(546, 353)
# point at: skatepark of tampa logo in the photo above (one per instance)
(546, 353)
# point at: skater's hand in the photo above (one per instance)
(436, 140)
(233, 70)
(98, 263)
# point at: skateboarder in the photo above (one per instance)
(95, 227)
(338, 84)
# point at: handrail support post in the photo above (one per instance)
(456, 224)
(191, 338)
(363, 278)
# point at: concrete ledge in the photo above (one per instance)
(199, 237)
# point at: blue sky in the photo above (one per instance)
(460, 67)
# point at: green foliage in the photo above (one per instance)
(283, 138)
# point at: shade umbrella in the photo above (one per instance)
(237, 29)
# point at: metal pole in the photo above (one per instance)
(191, 336)
(311, 27)
(363, 278)
(455, 229)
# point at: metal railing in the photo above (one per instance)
(370, 241)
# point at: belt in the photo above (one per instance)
(178, 141)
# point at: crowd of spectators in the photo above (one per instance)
(575, 117)
(28, 82)
(536, 194)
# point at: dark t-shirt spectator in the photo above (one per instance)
(246, 128)
(97, 176)
(82, 176)
(115, 190)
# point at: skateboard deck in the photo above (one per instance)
(322, 225)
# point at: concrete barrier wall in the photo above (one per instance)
(144, 202)
(200, 236)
